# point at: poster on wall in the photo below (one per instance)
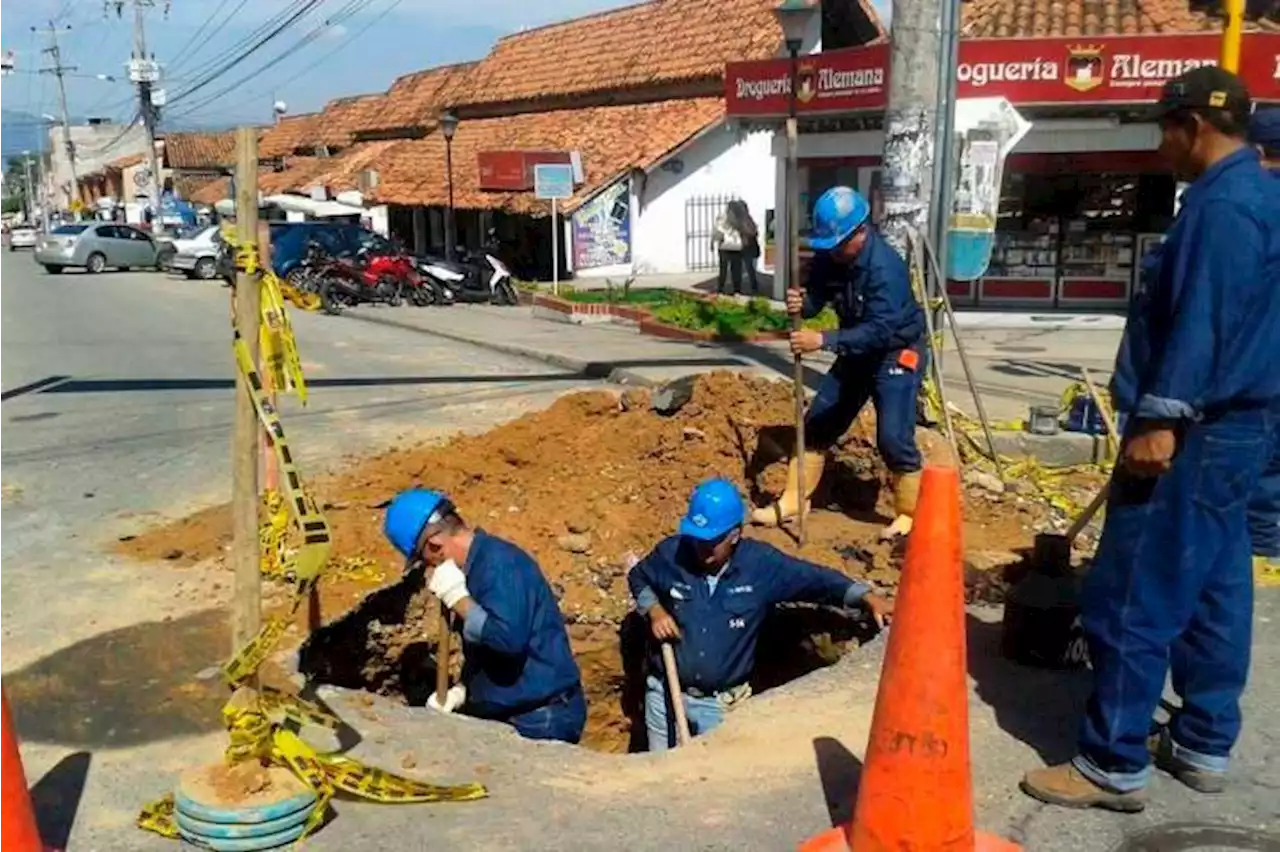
(602, 229)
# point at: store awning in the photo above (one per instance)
(311, 207)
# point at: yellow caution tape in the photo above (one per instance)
(257, 732)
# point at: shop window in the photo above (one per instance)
(1078, 226)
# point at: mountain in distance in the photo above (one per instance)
(19, 131)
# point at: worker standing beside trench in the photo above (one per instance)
(1171, 587)
(708, 591)
(877, 347)
(519, 668)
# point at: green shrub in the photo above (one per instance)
(733, 320)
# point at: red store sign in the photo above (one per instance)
(512, 171)
(1119, 69)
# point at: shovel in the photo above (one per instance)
(443, 650)
(677, 697)
(1052, 552)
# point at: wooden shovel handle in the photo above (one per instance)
(443, 651)
(677, 697)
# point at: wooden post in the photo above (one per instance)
(246, 606)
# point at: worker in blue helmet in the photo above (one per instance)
(708, 590)
(518, 667)
(1170, 591)
(877, 348)
(1264, 506)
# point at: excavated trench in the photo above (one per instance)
(582, 486)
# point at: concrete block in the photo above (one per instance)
(1061, 450)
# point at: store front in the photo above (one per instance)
(1083, 193)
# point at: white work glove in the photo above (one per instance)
(448, 583)
(453, 699)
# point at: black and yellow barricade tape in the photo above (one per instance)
(974, 452)
(256, 726)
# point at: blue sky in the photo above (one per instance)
(363, 46)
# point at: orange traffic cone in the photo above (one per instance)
(18, 832)
(916, 791)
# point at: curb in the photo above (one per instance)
(606, 371)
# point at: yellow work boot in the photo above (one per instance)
(788, 505)
(906, 493)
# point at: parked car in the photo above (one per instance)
(95, 246)
(22, 236)
(195, 253)
(290, 241)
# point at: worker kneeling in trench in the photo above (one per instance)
(708, 591)
(518, 667)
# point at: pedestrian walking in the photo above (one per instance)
(727, 241)
(1171, 588)
(740, 217)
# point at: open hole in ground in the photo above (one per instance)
(387, 645)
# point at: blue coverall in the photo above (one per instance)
(720, 617)
(518, 666)
(879, 319)
(1171, 588)
(1264, 506)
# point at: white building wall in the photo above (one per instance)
(722, 161)
(96, 145)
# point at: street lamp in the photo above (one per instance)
(794, 17)
(449, 126)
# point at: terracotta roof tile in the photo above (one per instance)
(1040, 18)
(288, 135)
(612, 139)
(654, 43)
(121, 163)
(337, 173)
(414, 99)
(200, 150)
(210, 191)
(337, 119)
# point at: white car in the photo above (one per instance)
(22, 236)
(196, 253)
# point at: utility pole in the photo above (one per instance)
(145, 73)
(29, 211)
(60, 70)
(911, 119)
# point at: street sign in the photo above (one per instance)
(553, 181)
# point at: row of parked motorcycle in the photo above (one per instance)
(386, 275)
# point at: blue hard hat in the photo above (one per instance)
(1264, 128)
(715, 508)
(839, 212)
(409, 514)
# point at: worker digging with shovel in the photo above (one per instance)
(878, 350)
(708, 591)
(519, 668)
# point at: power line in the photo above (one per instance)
(185, 53)
(301, 10)
(350, 10)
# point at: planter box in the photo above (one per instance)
(562, 310)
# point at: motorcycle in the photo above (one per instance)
(481, 277)
(345, 283)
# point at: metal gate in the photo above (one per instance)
(700, 214)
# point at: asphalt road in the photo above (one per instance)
(118, 406)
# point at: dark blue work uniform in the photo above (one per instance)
(879, 321)
(720, 618)
(1171, 588)
(1264, 506)
(518, 665)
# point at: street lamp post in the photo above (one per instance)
(794, 17)
(449, 126)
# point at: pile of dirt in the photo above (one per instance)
(581, 485)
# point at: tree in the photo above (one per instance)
(11, 204)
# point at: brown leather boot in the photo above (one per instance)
(906, 493)
(788, 505)
(1067, 787)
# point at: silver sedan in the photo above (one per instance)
(94, 246)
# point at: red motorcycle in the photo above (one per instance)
(399, 267)
(347, 282)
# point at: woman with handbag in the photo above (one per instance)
(727, 240)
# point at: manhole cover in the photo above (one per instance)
(1199, 837)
